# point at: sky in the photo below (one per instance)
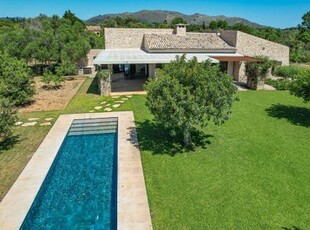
(275, 13)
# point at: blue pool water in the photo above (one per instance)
(80, 189)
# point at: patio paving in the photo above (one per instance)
(122, 86)
(27, 124)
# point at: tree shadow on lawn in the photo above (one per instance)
(9, 143)
(296, 115)
(93, 88)
(291, 228)
(155, 137)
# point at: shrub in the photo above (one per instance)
(7, 118)
(66, 69)
(103, 74)
(15, 81)
(188, 94)
(256, 72)
(281, 84)
(290, 71)
(260, 69)
(300, 87)
(49, 78)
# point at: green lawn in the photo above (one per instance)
(251, 173)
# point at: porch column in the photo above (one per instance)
(230, 68)
(151, 70)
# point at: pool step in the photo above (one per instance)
(93, 126)
(92, 120)
(97, 124)
(92, 132)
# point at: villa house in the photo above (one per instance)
(95, 29)
(145, 49)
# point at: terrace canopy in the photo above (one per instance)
(138, 56)
(235, 58)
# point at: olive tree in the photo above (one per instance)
(15, 80)
(7, 118)
(187, 94)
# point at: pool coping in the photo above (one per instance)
(132, 204)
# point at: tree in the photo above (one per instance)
(177, 20)
(15, 81)
(71, 16)
(7, 118)
(49, 77)
(300, 86)
(203, 25)
(304, 30)
(213, 25)
(220, 24)
(297, 54)
(188, 94)
(306, 20)
(66, 69)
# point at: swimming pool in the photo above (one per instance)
(80, 189)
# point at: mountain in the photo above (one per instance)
(162, 15)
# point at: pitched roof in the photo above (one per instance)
(93, 28)
(191, 41)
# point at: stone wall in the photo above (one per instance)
(250, 45)
(88, 61)
(104, 82)
(129, 38)
(229, 36)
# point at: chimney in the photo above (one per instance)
(180, 29)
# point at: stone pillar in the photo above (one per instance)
(104, 82)
(242, 76)
(236, 70)
(151, 70)
(230, 68)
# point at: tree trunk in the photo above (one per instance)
(187, 138)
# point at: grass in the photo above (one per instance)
(250, 173)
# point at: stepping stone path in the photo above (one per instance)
(116, 105)
(102, 103)
(46, 124)
(33, 119)
(108, 105)
(115, 97)
(120, 102)
(98, 107)
(108, 109)
(125, 99)
(29, 124)
(48, 118)
(129, 96)
(18, 123)
(92, 111)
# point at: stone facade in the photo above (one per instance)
(250, 45)
(127, 38)
(87, 62)
(238, 42)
